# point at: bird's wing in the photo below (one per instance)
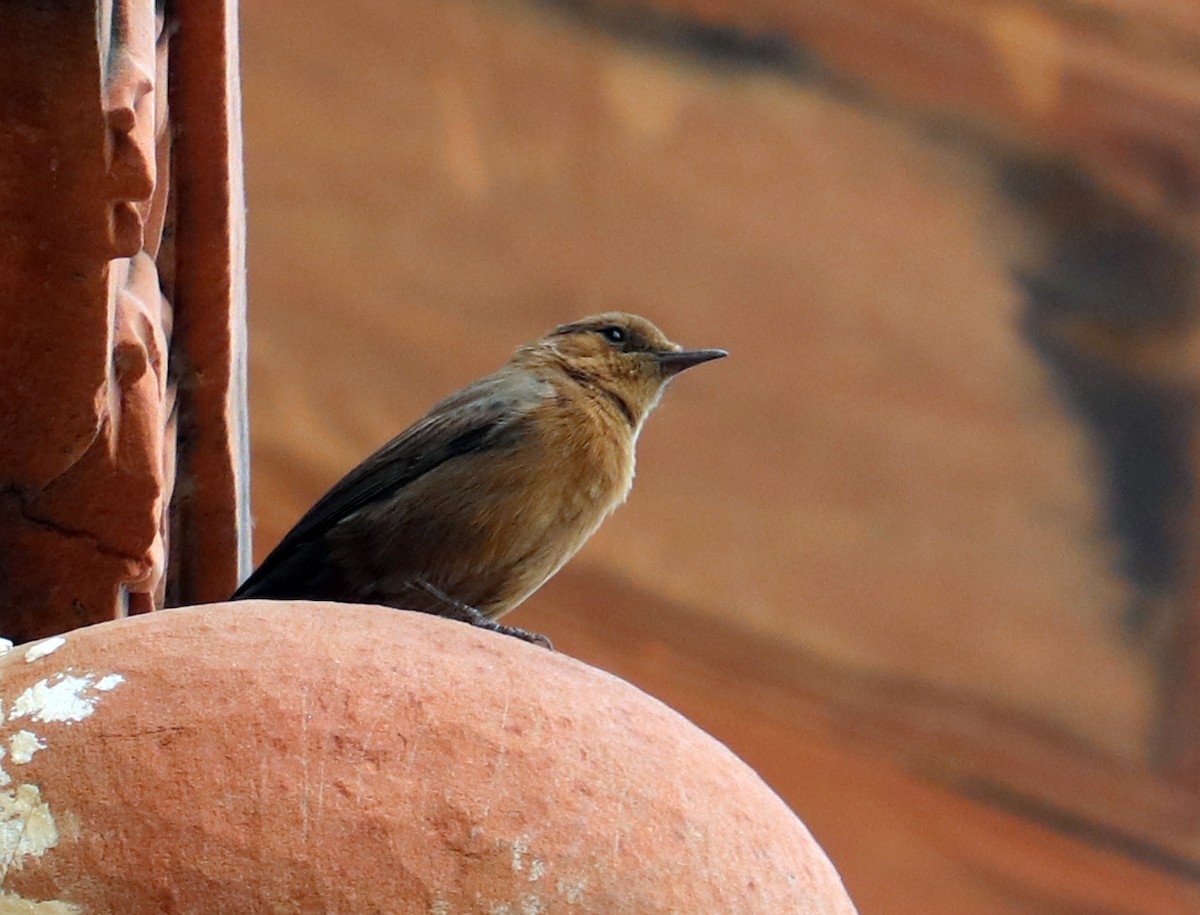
(489, 413)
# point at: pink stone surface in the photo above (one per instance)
(85, 461)
(93, 207)
(304, 757)
(52, 262)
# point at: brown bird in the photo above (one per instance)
(473, 507)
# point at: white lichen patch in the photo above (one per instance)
(12, 904)
(519, 847)
(62, 697)
(527, 905)
(26, 825)
(109, 682)
(22, 746)
(572, 890)
(43, 648)
(532, 905)
(522, 860)
(6, 646)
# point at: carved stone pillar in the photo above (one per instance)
(106, 379)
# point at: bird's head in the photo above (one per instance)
(622, 354)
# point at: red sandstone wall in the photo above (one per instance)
(926, 536)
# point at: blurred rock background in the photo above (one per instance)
(921, 551)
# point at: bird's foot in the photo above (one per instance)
(458, 610)
(534, 638)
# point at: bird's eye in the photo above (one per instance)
(613, 334)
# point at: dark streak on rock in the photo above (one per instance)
(1107, 275)
(713, 44)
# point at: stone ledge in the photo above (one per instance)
(291, 756)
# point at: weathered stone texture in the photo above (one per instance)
(306, 757)
(83, 456)
(87, 404)
(53, 221)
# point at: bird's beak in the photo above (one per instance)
(674, 363)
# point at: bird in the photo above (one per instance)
(477, 504)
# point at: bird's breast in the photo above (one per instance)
(587, 467)
(540, 505)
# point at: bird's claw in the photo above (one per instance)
(468, 614)
(534, 638)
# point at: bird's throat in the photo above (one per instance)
(594, 384)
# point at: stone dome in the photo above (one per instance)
(307, 757)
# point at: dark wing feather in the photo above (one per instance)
(487, 414)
